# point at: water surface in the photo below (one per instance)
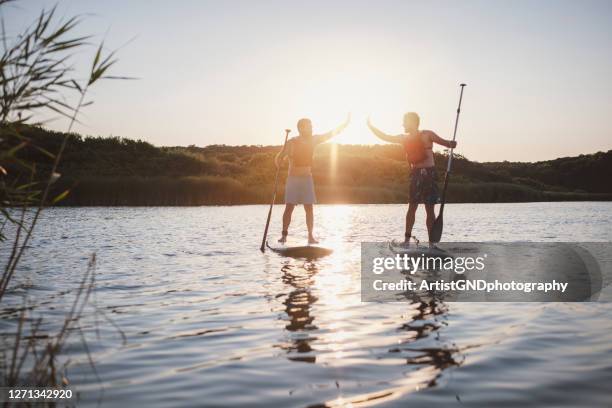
(210, 321)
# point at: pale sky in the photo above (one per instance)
(239, 72)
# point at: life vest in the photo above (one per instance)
(415, 148)
(302, 152)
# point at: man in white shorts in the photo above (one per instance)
(300, 186)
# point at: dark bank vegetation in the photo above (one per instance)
(118, 171)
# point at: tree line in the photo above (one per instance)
(119, 171)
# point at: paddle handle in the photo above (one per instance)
(265, 234)
(450, 156)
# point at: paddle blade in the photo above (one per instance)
(436, 229)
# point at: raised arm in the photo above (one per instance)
(326, 136)
(383, 136)
(444, 142)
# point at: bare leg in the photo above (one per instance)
(310, 223)
(412, 207)
(431, 217)
(286, 221)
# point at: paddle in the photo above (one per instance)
(265, 235)
(436, 229)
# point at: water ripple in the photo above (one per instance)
(212, 321)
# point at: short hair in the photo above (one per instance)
(302, 123)
(412, 117)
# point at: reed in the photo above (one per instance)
(36, 76)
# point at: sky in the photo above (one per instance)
(239, 72)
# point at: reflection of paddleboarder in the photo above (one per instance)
(418, 145)
(300, 186)
(298, 309)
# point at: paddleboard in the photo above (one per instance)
(418, 250)
(303, 251)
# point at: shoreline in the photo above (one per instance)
(606, 200)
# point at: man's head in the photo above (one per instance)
(305, 127)
(411, 122)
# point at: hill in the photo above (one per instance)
(119, 171)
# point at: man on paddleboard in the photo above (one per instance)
(418, 145)
(299, 188)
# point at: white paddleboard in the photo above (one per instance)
(300, 251)
(418, 250)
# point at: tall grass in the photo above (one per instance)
(219, 190)
(164, 191)
(36, 76)
(33, 363)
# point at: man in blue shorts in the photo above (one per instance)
(418, 145)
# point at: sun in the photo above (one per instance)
(363, 95)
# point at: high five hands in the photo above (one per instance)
(337, 130)
(369, 122)
(346, 123)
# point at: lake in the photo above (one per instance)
(211, 321)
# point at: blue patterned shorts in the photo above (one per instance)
(423, 187)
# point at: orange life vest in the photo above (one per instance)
(415, 148)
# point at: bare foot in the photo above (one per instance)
(407, 241)
(312, 240)
(283, 239)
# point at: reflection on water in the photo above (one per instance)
(210, 321)
(425, 323)
(298, 309)
(425, 317)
